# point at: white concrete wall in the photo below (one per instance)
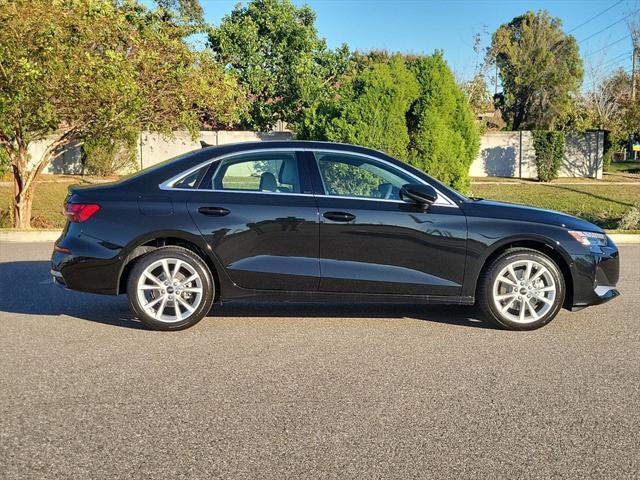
(502, 154)
(155, 148)
(583, 155)
(69, 161)
(511, 154)
(152, 148)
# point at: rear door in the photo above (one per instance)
(257, 212)
(373, 242)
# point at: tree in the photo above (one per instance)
(480, 99)
(607, 105)
(83, 69)
(444, 136)
(272, 48)
(540, 69)
(188, 11)
(369, 108)
(409, 107)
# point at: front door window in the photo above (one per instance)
(355, 176)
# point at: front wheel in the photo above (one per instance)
(170, 288)
(522, 289)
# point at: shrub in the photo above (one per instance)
(410, 108)
(549, 147)
(108, 156)
(372, 107)
(444, 137)
(631, 219)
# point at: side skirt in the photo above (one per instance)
(338, 298)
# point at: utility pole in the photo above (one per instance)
(634, 70)
(635, 44)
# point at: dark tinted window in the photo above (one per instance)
(191, 180)
(275, 172)
(355, 176)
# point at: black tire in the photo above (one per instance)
(194, 262)
(487, 284)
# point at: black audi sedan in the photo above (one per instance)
(315, 221)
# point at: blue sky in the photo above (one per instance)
(420, 26)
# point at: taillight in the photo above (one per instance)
(80, 212)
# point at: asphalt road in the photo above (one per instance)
(267, 391)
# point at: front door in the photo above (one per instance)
(373, 242)
(257, 212)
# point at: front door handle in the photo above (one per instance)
(214, 211)
(339, 216)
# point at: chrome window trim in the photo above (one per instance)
(442, 201)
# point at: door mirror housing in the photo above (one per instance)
(417, 193)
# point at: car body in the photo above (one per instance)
(297, 221)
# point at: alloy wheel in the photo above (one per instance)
(170, 290)
(524, 291)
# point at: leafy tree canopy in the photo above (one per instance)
(272, 48)
(370, 107)
(540, 70)
(189, 11)
(410, 107)
(75, 69)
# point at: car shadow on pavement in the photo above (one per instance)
(27, 288)
(447, 314)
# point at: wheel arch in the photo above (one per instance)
(541, 244)
(151, 242)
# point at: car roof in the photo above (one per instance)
(302, 144)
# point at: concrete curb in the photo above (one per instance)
(27, 236)
(625, 238)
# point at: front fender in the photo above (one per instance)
(484, 245)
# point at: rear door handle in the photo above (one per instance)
(339, 216)
(214, 211)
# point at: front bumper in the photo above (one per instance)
(606, 293)
(595, 275)
(57, 278)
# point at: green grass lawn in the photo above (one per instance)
(600, 203)
(624, 167)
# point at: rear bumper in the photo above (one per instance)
(91, 266)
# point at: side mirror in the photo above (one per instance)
(423, 195)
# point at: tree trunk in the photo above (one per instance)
(22, 193)
(24, 179)
(23, 201)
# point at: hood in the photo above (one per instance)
(523, 213)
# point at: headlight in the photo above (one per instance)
(589, 239)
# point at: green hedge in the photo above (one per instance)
(549, 147)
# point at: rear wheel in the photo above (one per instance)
(170, 288)
(522, 289)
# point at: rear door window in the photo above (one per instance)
(268, 172)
